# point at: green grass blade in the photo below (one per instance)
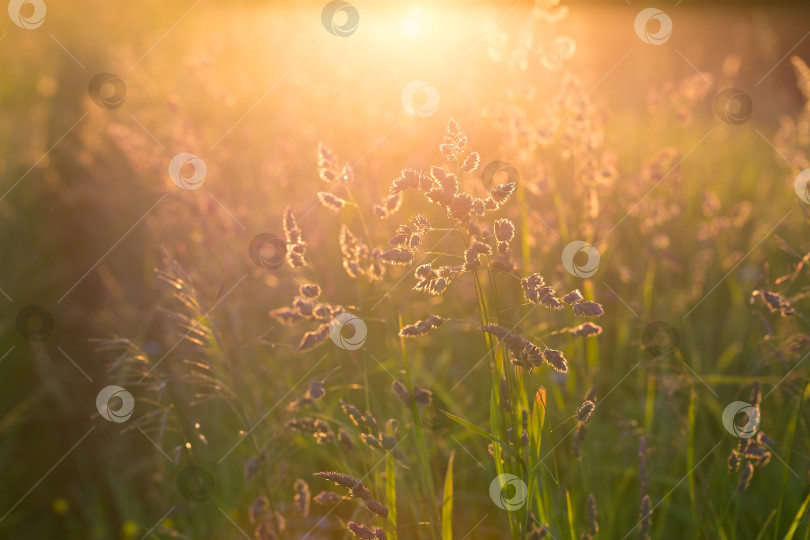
(391, 490)
(483, 433)
(796, 520)
(447, 501)
(762, 531)
(690, 455)
(570, 513)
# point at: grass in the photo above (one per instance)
(696, 216)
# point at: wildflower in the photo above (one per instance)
(316, 390)
(251, 468)
(377, 507)
(345, 439)
(356, 260)
(360, 531)
(538, 533)
(555, 359)
(257, 508)
(327, 498)
(310, 291)
(312, 339)
(755, 398)
(287, 316)
(584, 411)
(370, 422)
(388, 207)
(454, 142)
(502, 193)
(578, 440)
(473, 252)
(733, 462)
(588, 309)
(776, 302)
(357, 488)
(745, 477)
(411, 179)
(302, 497)
(420, 328)
(504, 230)
(330, 201)
(645, 516)
(346, 174)
(432, 281)
(592, 513)
(401, 392)
(352, 412)
(586, 329)
(296, 247)
(327, 163)
(573, 297)
(471, 163)
(422, 396)
(371, 441)
(397, 256)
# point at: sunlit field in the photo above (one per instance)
(382, 270)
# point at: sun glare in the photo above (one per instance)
(413, 25)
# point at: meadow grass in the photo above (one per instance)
(422, 423)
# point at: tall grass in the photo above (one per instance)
(474, 367)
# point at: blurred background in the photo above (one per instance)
(88, 209)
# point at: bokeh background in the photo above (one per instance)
(88, 212)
